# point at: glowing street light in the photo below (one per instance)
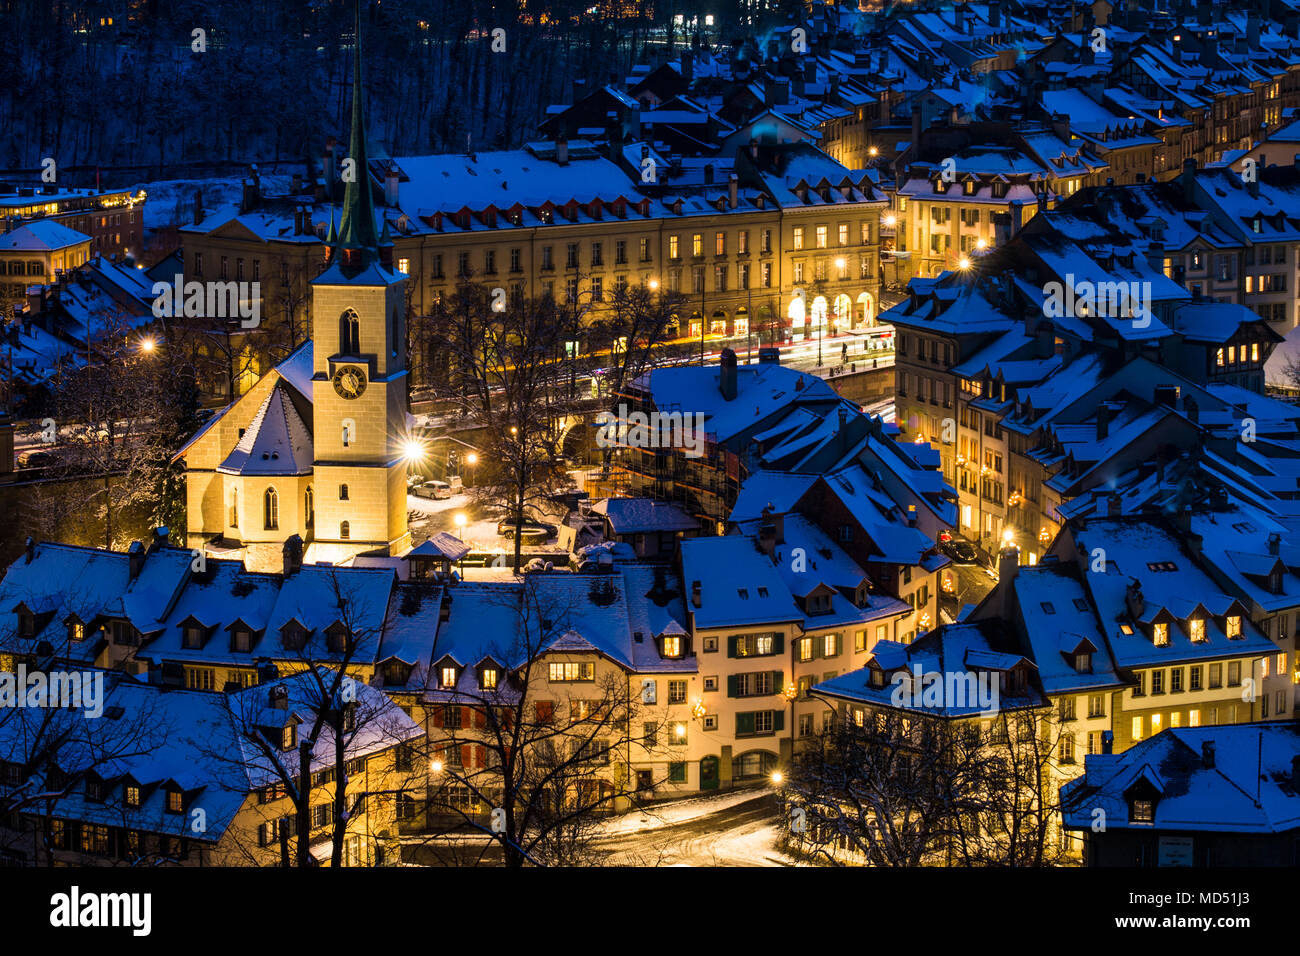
(981, 244)
(963, 263)
(148, 345)
(873, 152)
(460, 520)
(413, 451)
(778, 777)
(888, 221)
(653, 284)
(1008, 537)
(436, 766)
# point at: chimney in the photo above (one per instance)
(1252, 187)
(695, 594)
(134, 559)
(1274, 543)
(35, 300)
(1114, 505)
(292, 551)
(1103, 421)
(1207, 754)
(390, 186)
(296, 186)
(767, 532)
(1189, 180)
(688, 65)
(1192, 410)
(1008, 567)
(727, 375)
(995, 13)
(562, 152)
(29, 551)
(198, 206)
(280, 697)
(1133, 598)
(733, 187)
(160, 535)
(1016, 218)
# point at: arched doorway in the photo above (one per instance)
(866, 310)
(797, 317)
(820, 308)
(843, 316)
(741, 324)
(697, 324)
(718, 323)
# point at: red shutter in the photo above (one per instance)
(545, 710)
(480, 756)
(480, 717)
(467, 756)
(467, 717)
(437, 715)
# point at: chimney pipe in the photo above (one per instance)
(695, 594)
(728, 375)
(1207, 754)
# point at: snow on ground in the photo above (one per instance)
(161, 209)
(430, 515)
(677, 811)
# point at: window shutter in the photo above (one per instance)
(436, 714)
(731, 646)
(480, 717)
(778, 643)
(777, 685)
(467, 755)
(744, 724)
(480, 756)
(733, 682)
(467, 717)
(778, 720)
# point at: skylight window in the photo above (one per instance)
(1047, 607)
(1080, 604)
(762, 592)
(1162, 566)
(1126, 629)
(744, 593)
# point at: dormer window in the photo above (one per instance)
(94, 790)
(241, 639)
(175, 801)
(447, 677)
(1196, 629)
(1160, 635)
(1142, 811)
(193, 637)
(26, 624)
(672, 647)
(488, 680)
(1083, 663)
(339, 638)
(289, 737)
(1232, 626)
(76, 630)
(877, 677)
(294, 636)
(131, 795)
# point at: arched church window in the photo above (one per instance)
(345, 530)
(349, 334)
(349, 432)
(309, 506)
(270, 510)
(234, 508)
(343, 492)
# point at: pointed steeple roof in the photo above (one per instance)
(357, 231)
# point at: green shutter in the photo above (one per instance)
(777, 686)
(744, 724)
(778, 643)
(733, 681)
(731, 646)
(778, 720)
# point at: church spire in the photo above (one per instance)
(357, 238)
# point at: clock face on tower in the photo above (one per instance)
(349, 381)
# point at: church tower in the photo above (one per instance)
(360, 393)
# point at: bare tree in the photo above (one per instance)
(537, 770)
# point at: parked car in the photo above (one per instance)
(959, 549)
(432, 489)
(506, 527)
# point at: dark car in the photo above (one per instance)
(506, 527)
(960, 550)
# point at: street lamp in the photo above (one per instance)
(147, 345)
(653, 284)
(472, 460)
(778, 777)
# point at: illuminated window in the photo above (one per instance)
(697, 244)
(572, 671)
(798, 237)
(1233, 627)
(1193, 718)
(830, 645)
(672, 647)
(132, 795)
(489, 678)
(1196, 629)
(1137, 728)
(1160, 634)
(288, 737)
(821, 237)
(449, 677)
